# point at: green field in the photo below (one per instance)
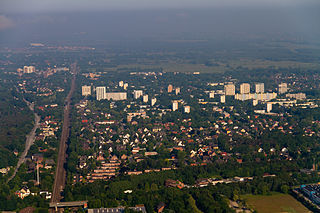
(274, 203)
(220, 67)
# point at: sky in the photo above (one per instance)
(48, 20)
(23, 6)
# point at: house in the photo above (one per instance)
(174, 183)
(23, 192)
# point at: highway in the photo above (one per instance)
(60, 175)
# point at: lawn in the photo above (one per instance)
(274, 203)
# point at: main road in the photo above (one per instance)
(60, 175)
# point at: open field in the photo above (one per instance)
(219, 67)
(257, 63)
(274, 203)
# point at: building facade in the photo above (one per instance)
(100, 93)
(86, 90)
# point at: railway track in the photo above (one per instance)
(60, 175)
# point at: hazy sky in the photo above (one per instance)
(12, 6)
(69, 20)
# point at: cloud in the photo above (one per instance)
(5, 22)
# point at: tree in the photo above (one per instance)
(284, 189)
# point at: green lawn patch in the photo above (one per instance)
(275, 202)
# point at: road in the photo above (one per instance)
(30, 138)
(60, 175)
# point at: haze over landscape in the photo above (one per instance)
(88, 21)
(160, 106)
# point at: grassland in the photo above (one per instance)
(276, 202)
(220, 67)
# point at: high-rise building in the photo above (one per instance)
(259, 87)
(137, 94)
(255, 102)
(174, 105)
(177, 90)
(283, 88)
(116, 96)
(211, 94)
(100, 93)
(186, 109)
(269, 107)
(145, 98)
(222, 98)
(86, 90)
(29, 69)
(153, 101)
(125, 86)
(229, 89)
(245, 88)
(170, 88)
(120, 83)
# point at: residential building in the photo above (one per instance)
(116, 96)
(177, 90)
(170, 88)
(174, 105)
(256, 96)
(137, 94)
(120, 83)
(186, 109)
(29, 69)
(100, 93)
(298, 96)
(229, 89)
(86, 90)
(121, 209)
(153, 101)
(125, 86)
(222, 98)
(283, 88)
(145, 98)
(244, 88)
(269, 107)
(211, 94)
(259, 87)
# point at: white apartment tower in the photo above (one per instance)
(137, 94)
(177, 90)
(86, 90)
(245, 88)
(186, 109)
(222, 99)
(29, 69)
(259, 87)
(145, 98)
(153, 101)
(174, 105)
(269, 107)
(100, 93)
(125, 86)
(229, 89)
(283, 88)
